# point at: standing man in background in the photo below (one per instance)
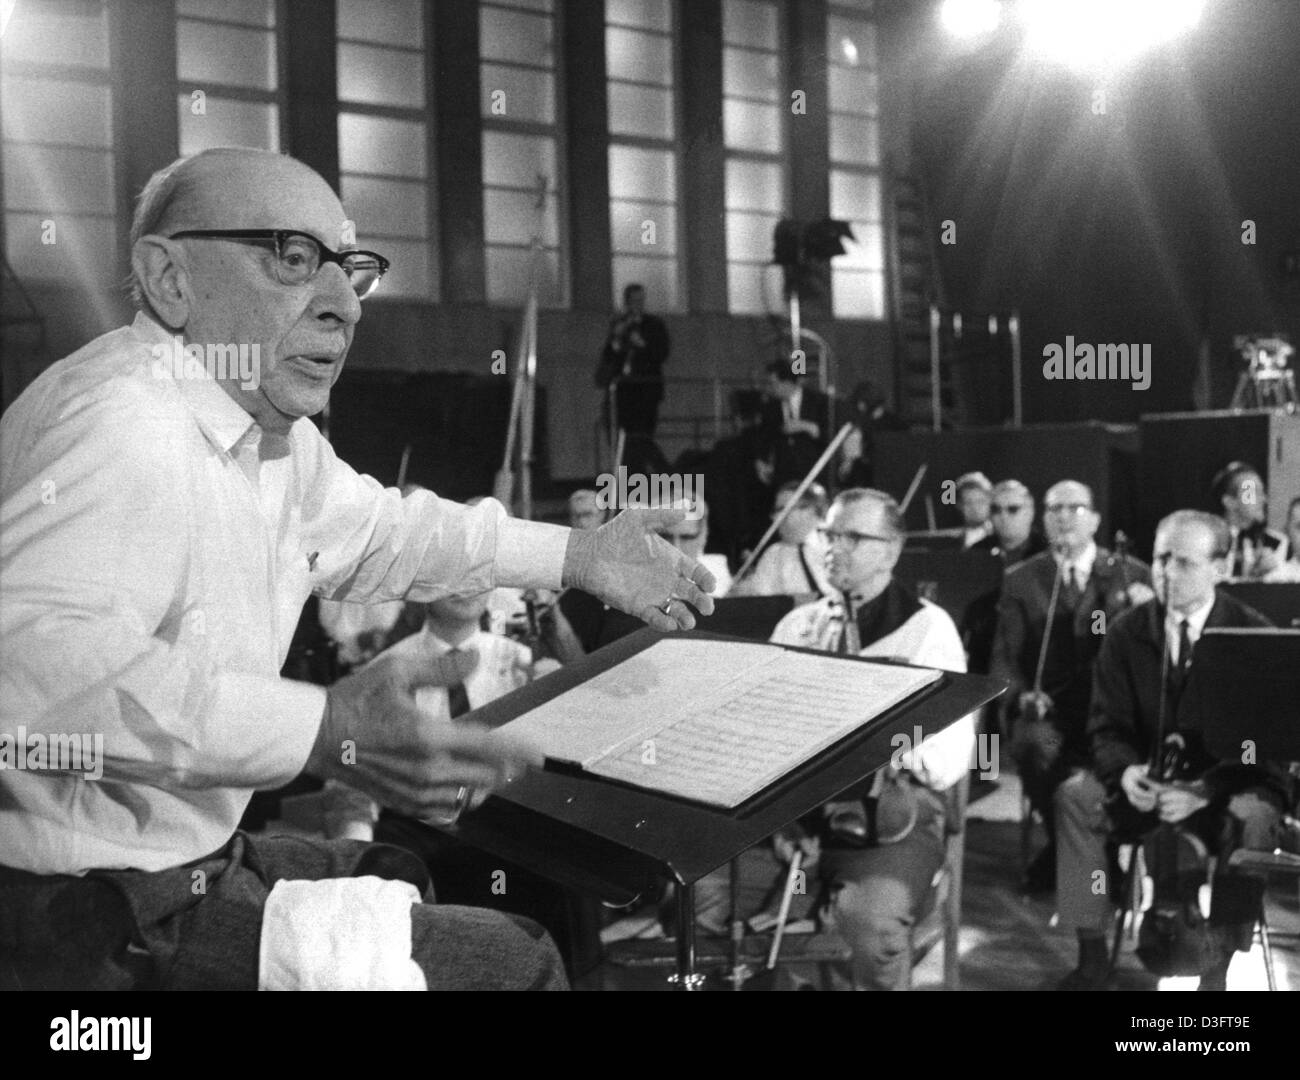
(633, 359)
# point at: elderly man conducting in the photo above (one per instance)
(163, 525)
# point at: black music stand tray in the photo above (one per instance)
(618, 841)
(1248, 680)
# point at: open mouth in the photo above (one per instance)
(316, 367)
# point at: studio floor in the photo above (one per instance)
(1010, 941)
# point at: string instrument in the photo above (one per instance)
(1174, 938)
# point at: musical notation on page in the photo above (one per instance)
(715, 721)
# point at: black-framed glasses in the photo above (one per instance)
(1068, 508)
(997, 509)
(849, 538)
(299, 256)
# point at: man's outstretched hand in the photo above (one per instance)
(626, 564)
(375, 738)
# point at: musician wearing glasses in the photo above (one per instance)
(1011, 514)
(1227, 804)
(878, 846)
(1052, 618)
(159, 535)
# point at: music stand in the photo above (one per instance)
(1248, 680)
(619, 841)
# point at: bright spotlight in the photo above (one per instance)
(6, 10)
(969, 18)
(1104, 32)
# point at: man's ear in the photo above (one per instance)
(159, 266)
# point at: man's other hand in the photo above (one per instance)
(1139, 791)
(626, 564)
(375, 738)
(1179, 801)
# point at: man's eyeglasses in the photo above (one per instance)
(679, 538)
(848, 538)
(1006, 509)
(1068, 508)
(298, 256)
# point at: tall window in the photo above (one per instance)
(517, 50)
(58, 146)
(753, 128)
(639, 56)
(857, 277)
(384, 147)
(228, 65)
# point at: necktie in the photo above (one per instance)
(1184, 649)
(457, 697)
(850, 639)
(1070, 588)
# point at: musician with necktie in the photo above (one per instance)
(1256, 550)
(1052, 618)
(878, 846)
(1227, 804)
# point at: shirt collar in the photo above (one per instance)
(1195, 620)
(1083, 564)
(441, 647)
(223, 421)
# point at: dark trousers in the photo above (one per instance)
(198, 926)
(875, 896)
(463, 874)
(1251, 819)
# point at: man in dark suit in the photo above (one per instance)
(1228, 804)
(1047, 714)
(633, 356)
(794, 424)
(1013, 539)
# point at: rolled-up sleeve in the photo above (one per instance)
(376, 545)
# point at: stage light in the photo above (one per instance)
(6, 10)
(1092, 33)
(970, 18)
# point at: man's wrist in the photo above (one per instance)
(577, 556)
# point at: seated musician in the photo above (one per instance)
(1013, 540)
(1289, 571)
(974, 494)
(1014, 537)
(1227, 804)
(879, 885)
(795, 563)
(1256, 549)
(692, 537)
(1045, 649)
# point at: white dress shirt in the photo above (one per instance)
(157, 550)
(1195, 627)
(1082, 566)
(928, 639)
(717, 566)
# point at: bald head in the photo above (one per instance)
(234, 187)
(220, 292)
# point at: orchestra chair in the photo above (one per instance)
(826, 949)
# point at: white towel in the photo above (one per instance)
(339, 934)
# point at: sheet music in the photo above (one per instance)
(590, 720)
(715, 721)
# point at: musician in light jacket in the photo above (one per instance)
(879, 846)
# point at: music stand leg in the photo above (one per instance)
(686, 977)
